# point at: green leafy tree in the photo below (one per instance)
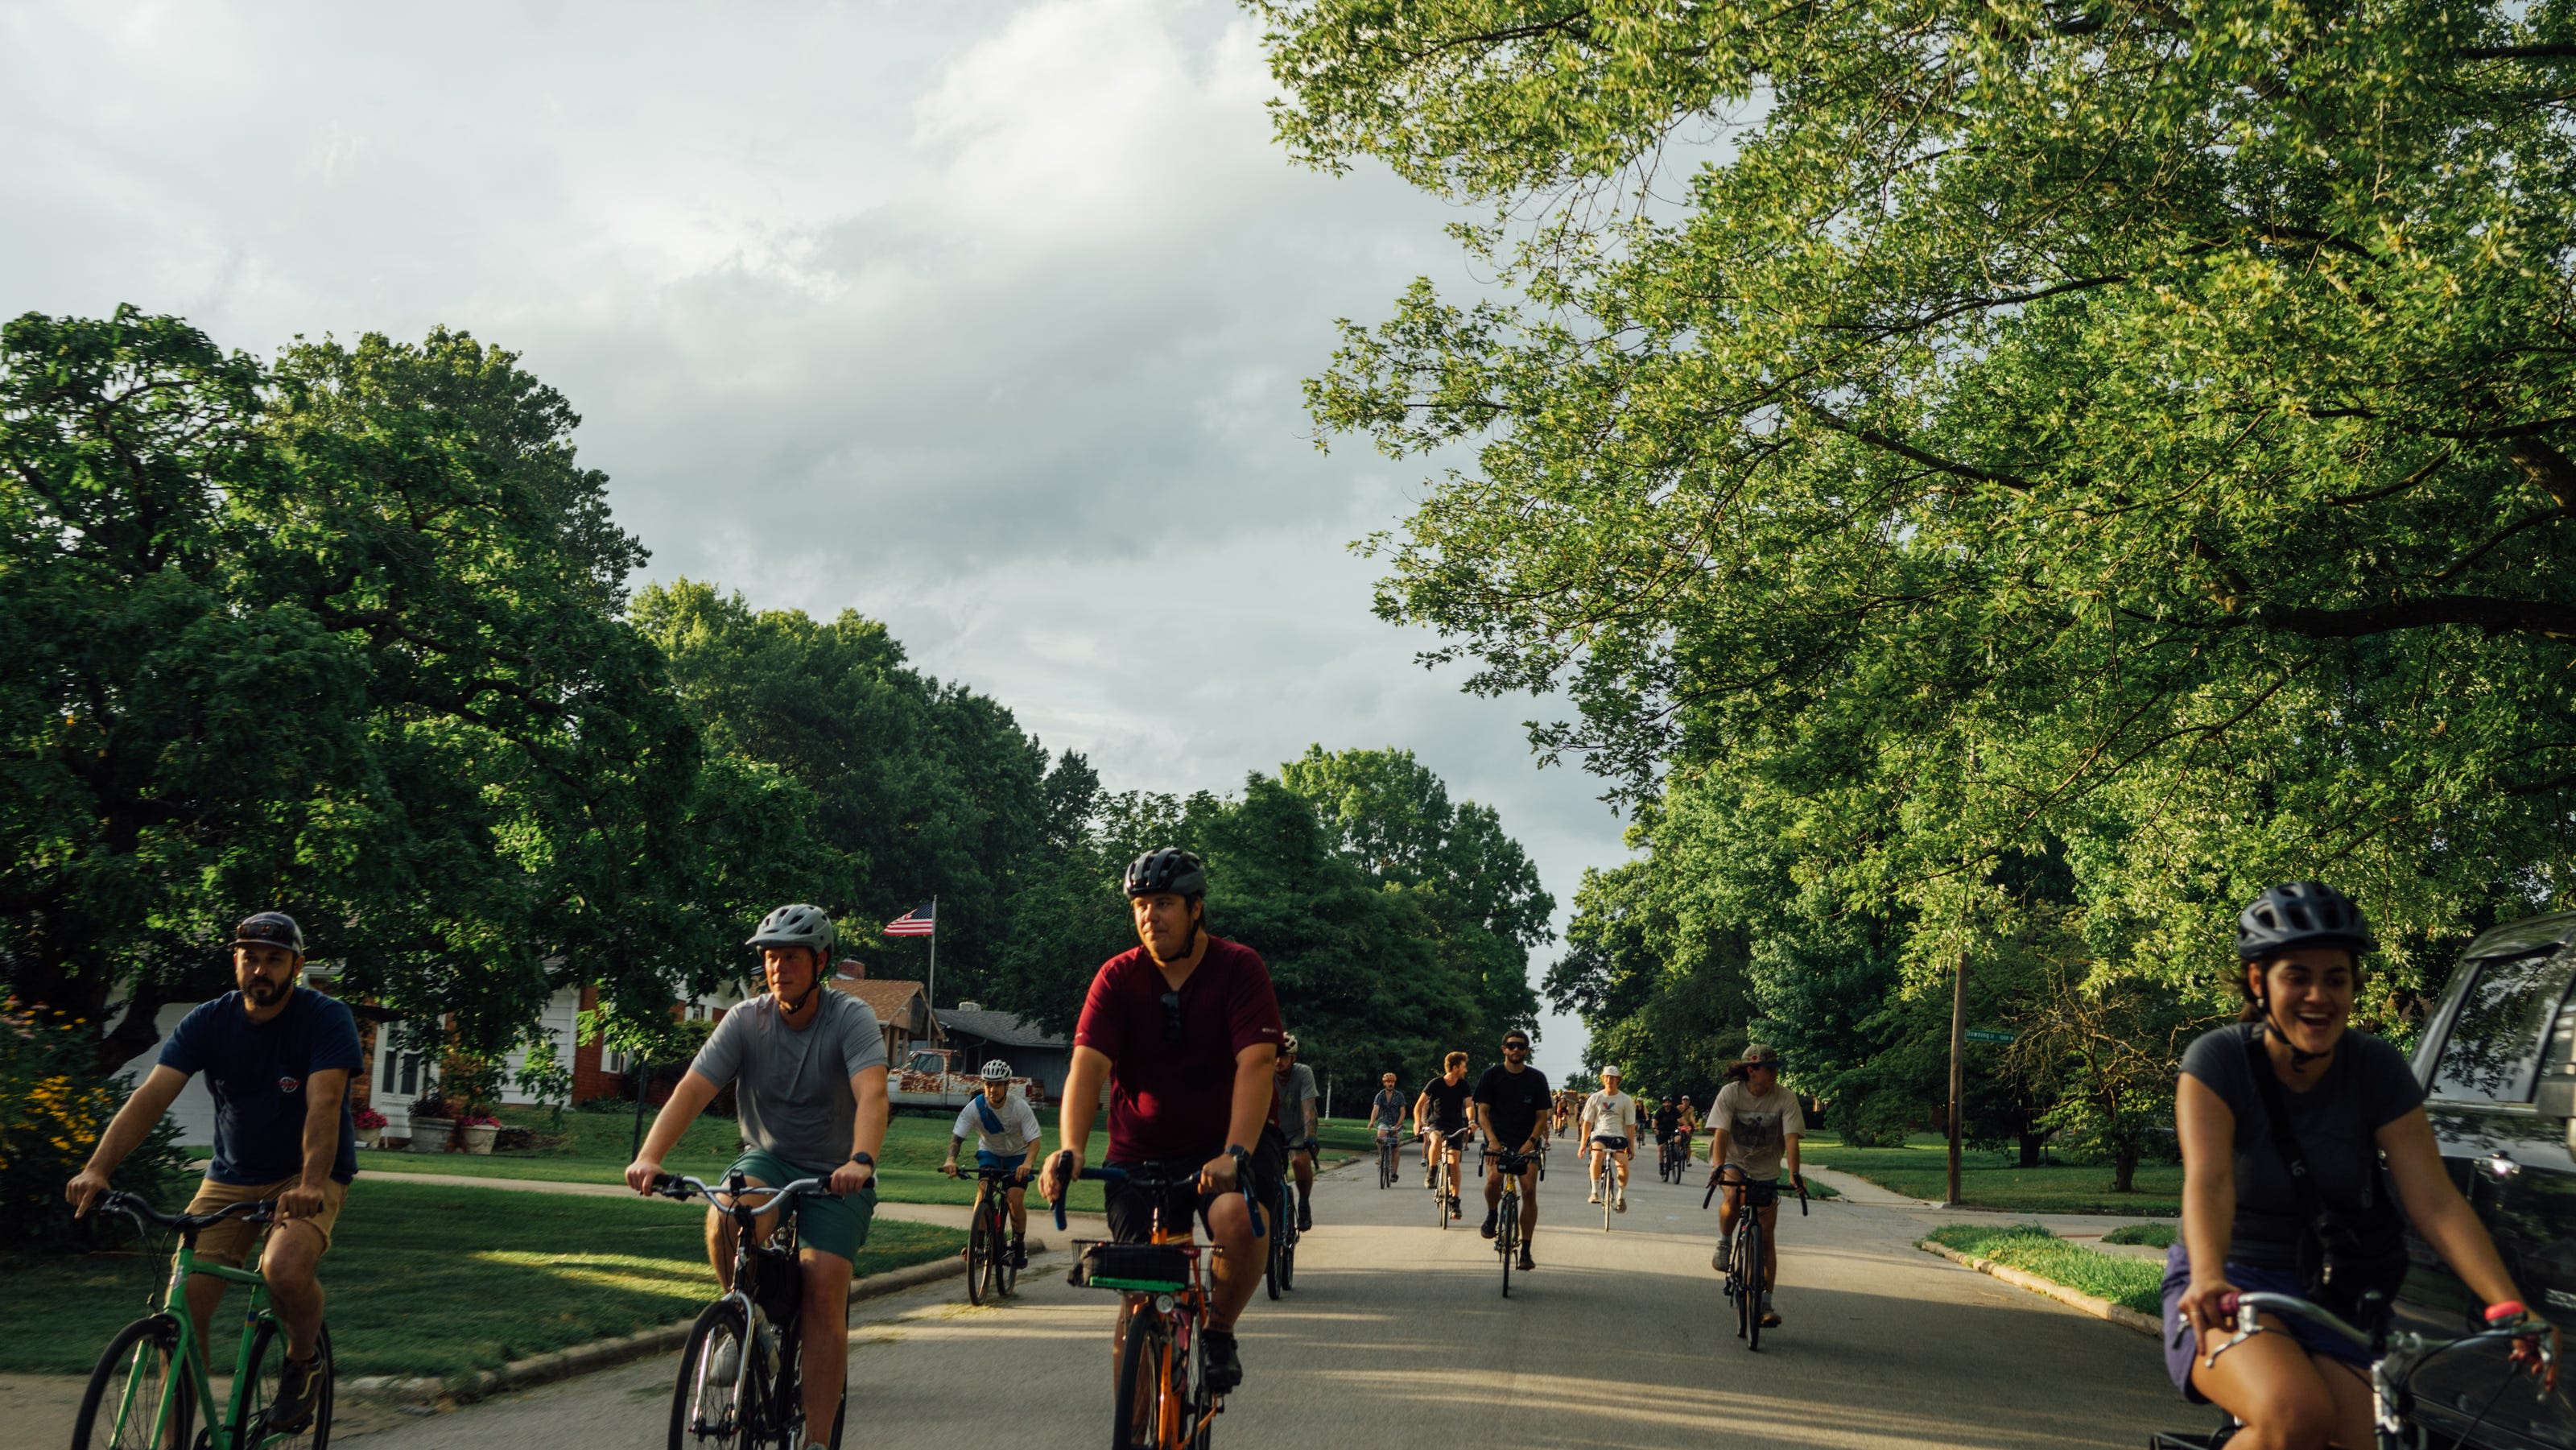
(339, 635)
(2133, 433)
(1391, 816)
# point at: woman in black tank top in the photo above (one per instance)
(2344, 1099)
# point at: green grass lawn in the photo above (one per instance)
(597, 1149)
(1994, 1180)
(437, 1279)
(2136, 1283)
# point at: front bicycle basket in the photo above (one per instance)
(1131, 1268)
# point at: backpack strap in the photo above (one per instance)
(2285, 1139)
(984, 1110)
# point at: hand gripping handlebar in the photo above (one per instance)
(1107, 1174)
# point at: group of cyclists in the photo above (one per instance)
(2295, 1129)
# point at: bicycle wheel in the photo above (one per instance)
(712, 1399)
(137, 1381)
(979, 1254)
(267, 1363)
(1507, 1234)
(1006, 1276)
(1751, 1299)
(1137, 1413)
(1272, 1276)
(1441, 1189)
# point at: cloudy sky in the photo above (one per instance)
(984, 319)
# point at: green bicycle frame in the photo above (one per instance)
(228, 1434)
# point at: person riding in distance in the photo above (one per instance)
(1185, 1031)
(1386, 1110)
(1006, 1135)
(1440, 1121)
(278, 1057)
(1755, 1124)
(1610, 1137)
(1293, 1115)
(1668, 1121)
(808, 1066)
(2293, 1081)
(1511, 1110)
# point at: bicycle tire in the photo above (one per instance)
(270, 1343)
(1006, 1275)
(1507, 1233)
(715, 1323)
(1752, 1298)
(1441, 1192)
(1735, 1279)
(1135, 1415)
(1277, 1243)
(143, 1355)
(979, 1254)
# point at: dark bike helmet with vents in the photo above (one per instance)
(796, 926)
(1167, 869)
(2301, 914)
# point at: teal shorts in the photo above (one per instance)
(834, 1225)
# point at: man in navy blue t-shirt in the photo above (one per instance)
(277, 1056)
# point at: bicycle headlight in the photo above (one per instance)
(1162, 1303)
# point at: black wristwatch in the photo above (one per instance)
(865, 1160)
(1242, 1157)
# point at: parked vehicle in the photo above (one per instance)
(2498, 1062)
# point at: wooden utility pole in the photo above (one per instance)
(1958, 1073)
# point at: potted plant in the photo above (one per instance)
(370, 1125)
(478, 1130)
(432, 1123)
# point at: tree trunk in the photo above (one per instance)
(2030, 1145)
(2124, 1167)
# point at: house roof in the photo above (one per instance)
(999, 1027)
(891, 998)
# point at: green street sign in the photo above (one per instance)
(1989, 1034)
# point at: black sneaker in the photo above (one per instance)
(299, 1384)
(1527, 1263)
(1305, 1216)
(1493, 1222)
(1224, 1364)
(1453, 1207)
(1019, 1253)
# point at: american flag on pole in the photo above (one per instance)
(916, 922)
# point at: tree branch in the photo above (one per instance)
(1905, 450)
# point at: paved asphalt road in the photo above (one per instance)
(1397, 1336)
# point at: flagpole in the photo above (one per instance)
(934, 969)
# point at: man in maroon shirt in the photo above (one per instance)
(1185, 1029)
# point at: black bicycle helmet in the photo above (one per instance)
(1168, 868)
(2301, 914)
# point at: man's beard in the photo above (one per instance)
(263, 991)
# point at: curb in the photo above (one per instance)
(558, 1364)
(2120, 1314)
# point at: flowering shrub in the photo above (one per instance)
(365, 1118)
(478, 1120)
(52, 1109)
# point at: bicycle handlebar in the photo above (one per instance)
(1718, 1176)
(117, 1200)
(1150, 1184)
(680, 1187)
(2409, 1351)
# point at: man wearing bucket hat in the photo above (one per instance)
(1756, 1125)
(278, 1057)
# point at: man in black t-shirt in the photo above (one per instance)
(1511, 1107)
(1440, 1120)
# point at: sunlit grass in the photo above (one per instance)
(436, 1279)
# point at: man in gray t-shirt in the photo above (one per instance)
(808, 1065)
(792, 1083)
(1293, 1113)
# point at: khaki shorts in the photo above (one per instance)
(228, 1243)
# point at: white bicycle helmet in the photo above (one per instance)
(997, 1071)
